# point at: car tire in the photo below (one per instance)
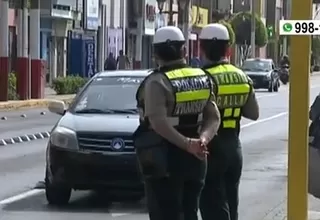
(276, 87)
(56, 195)
(270, 89)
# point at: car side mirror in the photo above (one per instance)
(57, 107)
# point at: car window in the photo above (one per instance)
(256, 65)
(109, 93)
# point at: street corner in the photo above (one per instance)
(33, 103)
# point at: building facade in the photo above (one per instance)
(12, 36)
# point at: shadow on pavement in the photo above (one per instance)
(80, 202)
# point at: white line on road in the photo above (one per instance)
(264, 119)
(115, 215)
(21, 196)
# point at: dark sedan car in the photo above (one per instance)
(263, 74)
(91, 146)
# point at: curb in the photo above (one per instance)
(25, 138)
(33, 103)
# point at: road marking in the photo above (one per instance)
(264, 120)
(115, 215)
(21, 196)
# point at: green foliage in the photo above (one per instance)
(68, 85)
(230, 30)
(315, 47)
(12, 87)
(241, 24)
(270, 32)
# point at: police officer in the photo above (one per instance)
(177, 119)
(235, 98)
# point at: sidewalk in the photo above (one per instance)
(36, 103)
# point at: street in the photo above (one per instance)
(263, 186)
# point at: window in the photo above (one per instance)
(110, 93)
(256, 65)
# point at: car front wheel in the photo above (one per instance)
(276, 86)
(56, 194)
(270, 89)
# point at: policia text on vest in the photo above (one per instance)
(191, 91)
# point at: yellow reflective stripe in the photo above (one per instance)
(192, 95)
(229, 124)
(185, 72)
(236, 112)
(224, 68)
(233, 89)
(227, 112)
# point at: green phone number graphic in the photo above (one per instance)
(299, 28)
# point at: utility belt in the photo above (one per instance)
(152, 150)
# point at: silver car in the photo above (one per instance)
(91, 146)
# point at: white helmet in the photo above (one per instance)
(214, 32)
(168, 33)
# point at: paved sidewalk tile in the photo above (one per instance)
(314, 215)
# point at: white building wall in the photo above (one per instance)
(315, 12)
(225, 4)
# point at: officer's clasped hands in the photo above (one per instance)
(197, 148)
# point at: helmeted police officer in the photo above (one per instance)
(235, 98)
(178, 117)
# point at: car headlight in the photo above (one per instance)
(64, 137)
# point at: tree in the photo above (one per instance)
(315, 48)
(230, 30)
(241, 24)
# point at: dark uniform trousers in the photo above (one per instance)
(176, 197)
(219, 199)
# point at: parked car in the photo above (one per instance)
(91, 146)
(263, 73)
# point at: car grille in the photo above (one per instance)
(102, 142)
(257, 79)
(254, 77)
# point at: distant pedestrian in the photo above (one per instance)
(110, 63)
(195, 62)
(123, 61)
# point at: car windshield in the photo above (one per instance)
(107, 95)
(256, 65)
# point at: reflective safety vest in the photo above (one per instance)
(192, 88)
(233, 89)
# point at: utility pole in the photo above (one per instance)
(186, 26)
(297, 202)
(37, 82)
(253, 29)
(23, 77)
(170, 22)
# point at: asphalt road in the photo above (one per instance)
(27, 121)
(263, 186)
